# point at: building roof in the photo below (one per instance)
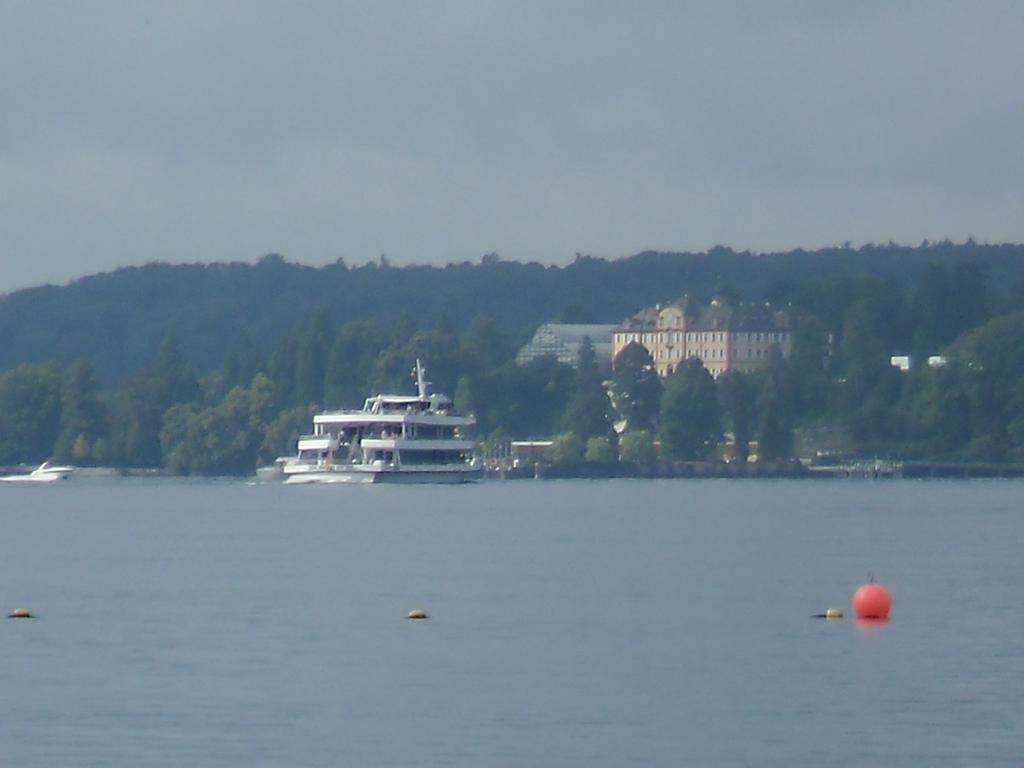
(716, 316)
(644, 320)
(740, 317)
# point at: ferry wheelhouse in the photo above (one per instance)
(394, 438)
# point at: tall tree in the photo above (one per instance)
(528, 401)
(930, 305)
(174, 379)
(311, 355)
(83, 418)
(588, 411)
(139, 409)
(737, 393)
(350, 363)
(282, 371)
(636, 387)
(242, 363)
(775, 411)
(690, 416)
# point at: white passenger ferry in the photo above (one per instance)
(393, 439)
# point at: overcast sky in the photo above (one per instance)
(439, 131)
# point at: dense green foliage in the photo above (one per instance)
(118, 320)
(690, 419)
(179, 412)
(636, 388)
(588, 412)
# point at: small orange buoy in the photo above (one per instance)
(417, 613)
(20, 613)
(872, 601)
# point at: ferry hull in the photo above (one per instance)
(384, 476)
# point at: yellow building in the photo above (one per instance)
(725, 337)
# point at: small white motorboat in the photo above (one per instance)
(44, 473)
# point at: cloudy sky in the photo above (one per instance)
(439, 131)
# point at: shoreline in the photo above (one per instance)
(792, 469)
(786, 469)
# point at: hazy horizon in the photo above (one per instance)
(222, 132)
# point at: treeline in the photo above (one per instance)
(253, 408)
(838, 379)
(118, 320)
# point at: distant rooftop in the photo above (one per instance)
(715, 316)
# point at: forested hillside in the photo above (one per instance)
(212, 370)
(119, 320)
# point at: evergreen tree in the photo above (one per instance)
(588, 411)
(173, 378)
(933, 323)
(242, 363)
(972, 298)
(282, 371)
(350, 363)
(311, 357)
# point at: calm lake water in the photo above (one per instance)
(573, 623)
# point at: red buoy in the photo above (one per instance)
(872, 601)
